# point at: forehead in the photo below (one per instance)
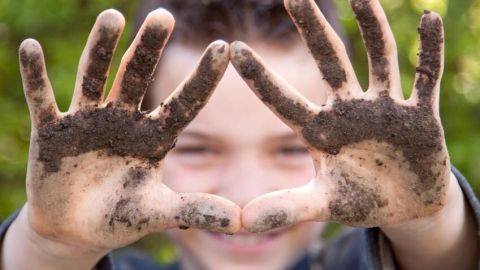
(295, 65)
(233, 104)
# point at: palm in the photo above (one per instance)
(382, 156)
(380, 159)
(94, 175)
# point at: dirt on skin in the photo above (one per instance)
(127, 214)
(100, 57)
(373, 38)
(412, 130)
(319, 44)
(354, 202)
(182, 109)
(192, 216)
(110, 130)
(139, 71)
(271, 220)
(135, 177)
(430, 58)
(33, 68)
(114, 131)
(293, 111)
(47, 115)
(32, 64)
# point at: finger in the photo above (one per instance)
(294, 109)
(381, 47)
(326, 47)
(430, 64)
(36, 85)
(192, 94)
(96, 59)
(284, 208)
(205, 211)
(139, 62)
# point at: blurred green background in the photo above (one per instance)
(62, 28)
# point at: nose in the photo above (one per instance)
(244, 178)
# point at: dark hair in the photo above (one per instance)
(199, 22)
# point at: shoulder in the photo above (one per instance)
(133, 259)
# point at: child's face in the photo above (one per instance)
(237, 148)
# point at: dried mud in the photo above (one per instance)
(135, 177)
(192, 216)
(46, 115)
(100, 57)
(353, 202)
(195, 93)
(373, 39)
(127, 214)
(315, 34)
(139, 71)
(412, 130)
(33, 68)
(430, 57)
(293, 111)
(271, 220)
(109, 130)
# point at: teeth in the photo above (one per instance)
(243, 239)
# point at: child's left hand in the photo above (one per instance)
(380, 159)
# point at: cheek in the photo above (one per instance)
(302, 237)
(293, 176)
(183, 178)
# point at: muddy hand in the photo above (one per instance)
(94, 174)
(380, 159)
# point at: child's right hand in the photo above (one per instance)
(94, 172)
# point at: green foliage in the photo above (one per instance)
(62, 28)
(460, 95)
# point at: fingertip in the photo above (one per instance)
(290, 4)
(237, 46)
(161, 17)
(257, 220)
(235, 221)
(219, 47)
(32, 65)
(297, 8)
(239, 52)
(431, 15)
(29, 46)
(220, 51)
(218, 42)
(431, 30)
(112, 18)
(431, 20)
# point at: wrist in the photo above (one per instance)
(444, 240)
(21, 241)
(446, 216)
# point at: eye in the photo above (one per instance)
(194, 150)
(196, 155)
(292, 150)
(291, 156)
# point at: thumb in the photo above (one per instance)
(286, 207)
(205, 211)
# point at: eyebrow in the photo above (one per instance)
(204, 136)
(288, 136)
(196, 135)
